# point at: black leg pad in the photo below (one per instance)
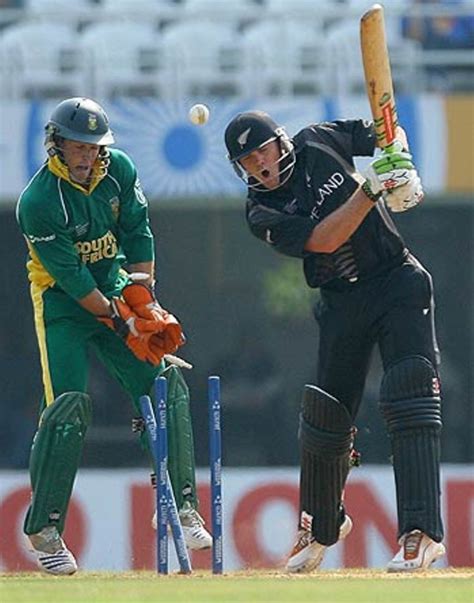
(411, 406)
(326, 437)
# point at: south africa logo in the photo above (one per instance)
(92, 122)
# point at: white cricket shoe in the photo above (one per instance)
(50, 552)
(195, 534)
(308, 553)
(418, 551)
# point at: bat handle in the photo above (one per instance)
(395, 146)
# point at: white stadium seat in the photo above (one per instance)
(284, 57)
(309, 10)
(58, 10)
(145, 11)
(40, 5)
(40, 60)
(123, 59)
(208, 57)
(133, 5)
(232, 11)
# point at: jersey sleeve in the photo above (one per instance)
(286, 234)
(351, 137)
(48, 237)
(136, 237)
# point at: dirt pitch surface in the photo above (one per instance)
(341, 574)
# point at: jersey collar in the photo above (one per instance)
(59, 169)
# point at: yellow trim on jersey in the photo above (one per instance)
(37, 273)
(38, 309)
(59, 169)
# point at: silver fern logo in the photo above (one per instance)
(242, 139)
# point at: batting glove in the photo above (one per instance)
(392, 169)
(405, 197)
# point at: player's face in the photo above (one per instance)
(263, 164)
(79, 158)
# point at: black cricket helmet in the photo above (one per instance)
(79, 119)
(250, 131)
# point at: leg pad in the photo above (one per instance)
(55, 456)
(326, 438)
(181, 462)
(411, 406)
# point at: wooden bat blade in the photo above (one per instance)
(378, 77)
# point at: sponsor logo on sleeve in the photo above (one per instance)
(115, 207)
(45, 239)
(139, 194)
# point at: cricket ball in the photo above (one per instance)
(199, 114)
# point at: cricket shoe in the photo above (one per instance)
(308, 553)
(195, 534)
(418, 551)
(50, 552)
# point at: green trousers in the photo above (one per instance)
(70, 338)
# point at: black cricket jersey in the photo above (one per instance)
(323, 179)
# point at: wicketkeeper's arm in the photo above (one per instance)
(140, 269)
(96, 303)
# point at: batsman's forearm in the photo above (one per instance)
(339, 226)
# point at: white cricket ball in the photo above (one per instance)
(199, 114)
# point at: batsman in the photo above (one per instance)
(306, 200)
(91, 267)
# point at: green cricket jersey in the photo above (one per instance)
(78, 239)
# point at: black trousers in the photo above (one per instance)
(394, 310)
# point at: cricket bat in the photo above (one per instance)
(378, 77)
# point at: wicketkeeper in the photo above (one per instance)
(91, 267)
(306, 200)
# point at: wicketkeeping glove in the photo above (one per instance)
(141, 300)
(168, 336)
(392, 169)
(134, 330)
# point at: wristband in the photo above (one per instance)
(374, 197)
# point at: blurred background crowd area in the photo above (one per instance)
(245, 310)
(167, 48)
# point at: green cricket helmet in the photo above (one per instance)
(79, 119)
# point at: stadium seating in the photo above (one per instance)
(128, 6)
(302, 9)
(208, 57)
(284, 57)
(39, 59)
(124, 59)
(142, 11)
(223, 10)
(167, 48)
(58, 10)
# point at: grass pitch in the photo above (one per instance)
(342, 586)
